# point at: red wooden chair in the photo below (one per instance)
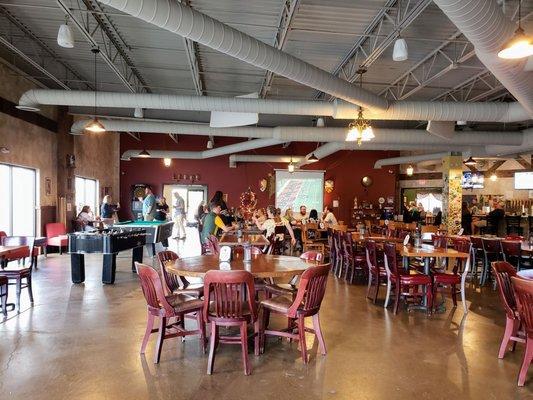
(492, 251)
(503, 271)
(514, 237)
(460, 269)
(339, 256)
(512, 252)
(175, 284)
(353, 262)
(229, 301)
(166, 308)
(306, 304)
(211, 245)
(3, 294)
(477, 257)
(56, 235)
(16, 274)
(523, 290)
(377, 275)
(403, 280)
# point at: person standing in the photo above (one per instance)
(179, 215)
(149, 205)
(108, 210)
(161, 209)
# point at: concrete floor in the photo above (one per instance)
(82, 342)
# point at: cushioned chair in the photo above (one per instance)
(503, 271)
(56, 235)
(523, 289)
(306, 304)
(229, 301)
(167, 308)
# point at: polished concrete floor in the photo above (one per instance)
(82, 342)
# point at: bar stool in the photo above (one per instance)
(492, 251)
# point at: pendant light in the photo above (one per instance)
(313, 158)
(144, 154)
(494, 177)
(167, 162)
(410, 170)
(94, 125)
(400, 51)
(470, 162)
(290, 168)
(520, 45)
(65, 37)
(360, 130)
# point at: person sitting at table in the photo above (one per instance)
(301, 217)
(161, 209)
(328, 218)
(218, 197)
(260, 215)
(496, 217)
(438, 218)
(273, 220)
(466, 219)
(288, 215)
(213, 222)
(86, 219)
(313, 216)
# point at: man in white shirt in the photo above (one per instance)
(328, 218)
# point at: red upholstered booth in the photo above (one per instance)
(56, 235)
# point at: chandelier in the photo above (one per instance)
(360, 130)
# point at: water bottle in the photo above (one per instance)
(247, 252)
(418, 237)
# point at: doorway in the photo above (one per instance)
(193, 196)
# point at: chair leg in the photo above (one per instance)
(19, 289)
(301, 334)
(377, 289)
(244, 347)
(257, 337)
(148, 332)
(3, 298)
(201, 328)
(397, 290)
(30, 291)
(510, 328)
(212, 346)
(387, 298)
(454, 295)
(369, 284)
(264, 324)
(318, 333)
(161, 337)
(528, 356)
(429, 295)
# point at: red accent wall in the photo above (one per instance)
(346, 168)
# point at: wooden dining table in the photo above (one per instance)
(234, 240)
(261, 266)
(5, 251)
(357, 237)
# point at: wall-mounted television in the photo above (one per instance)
(523, 180)
(473, 180)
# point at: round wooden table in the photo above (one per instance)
(262, 265)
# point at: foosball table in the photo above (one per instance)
(109, 242)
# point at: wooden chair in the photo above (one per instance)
(56, 235)
(229, 301)
(3, 294)
(503, 271)
(512, 252)
(167, 307)
(492, 251)
(353, 262)
(404, 280)
(523, 290)
(211, 245)
(377, 275)
(309, 236)
(306, 304)
(16, 274)
(175, 284)
(477, 257)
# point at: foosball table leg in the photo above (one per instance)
(109, 268)
(77, 267)
(137, 256)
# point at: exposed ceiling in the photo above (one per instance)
(335, 35)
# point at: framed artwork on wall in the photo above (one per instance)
(47, 186)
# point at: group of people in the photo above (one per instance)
(86, 218)
(413, 212)
(157, 209)
(472, 222)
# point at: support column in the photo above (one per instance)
(452, 192)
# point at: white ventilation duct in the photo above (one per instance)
(410, 159)
(235, 158)
(311, 134)
(182, 20)
(338, 109)
(443, 129)
(200, 155)
(488, 29)
(525, 147)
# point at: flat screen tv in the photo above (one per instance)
(523, 180)
(472, 180)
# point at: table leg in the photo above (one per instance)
(137, 256)
(77, 267)
(426, 271)
(109, 268)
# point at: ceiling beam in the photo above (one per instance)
(469, 90)
(523, 162)
(495, 166)
(135, 135)
(174, 137)
(113, 48)
(367, 49)
(27, 32)
(284, 25)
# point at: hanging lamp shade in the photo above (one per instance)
(520, 46)
(95, 126)
(400, 51)
(470, 161)
(313, 158)
(144, 154)
(65, 37)
(410, 170)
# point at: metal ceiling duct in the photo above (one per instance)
(311, 134)
(410, 159)
(182, 20)
(402, 110)
(488, 29)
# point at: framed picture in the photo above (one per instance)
(48, 186)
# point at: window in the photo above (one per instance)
(18, 217)
(86, 194)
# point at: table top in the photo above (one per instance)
(5, 250)
(140, 224)
(525, 273)
(430, 251)
(233, 240)
(40, 241)
(262, 265)
(377, 238)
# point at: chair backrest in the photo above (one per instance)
(439, 241)
(340, 227)
(311, 291)
(391, 262)
(212, 245)
(347, 244)
(172, 281)
(462, 245)
(477, 242)
(492, 245)
(309, 232)
(523, 289)
(54, 229)
(311, 255)
(229, 292)
(20, 241)
(511, 248)
(503, 272)
(153, 290)
(403, 233)
(371, 257)
(2, 236)
(429, 229)
(514, 237)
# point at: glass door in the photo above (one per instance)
(193, 195)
